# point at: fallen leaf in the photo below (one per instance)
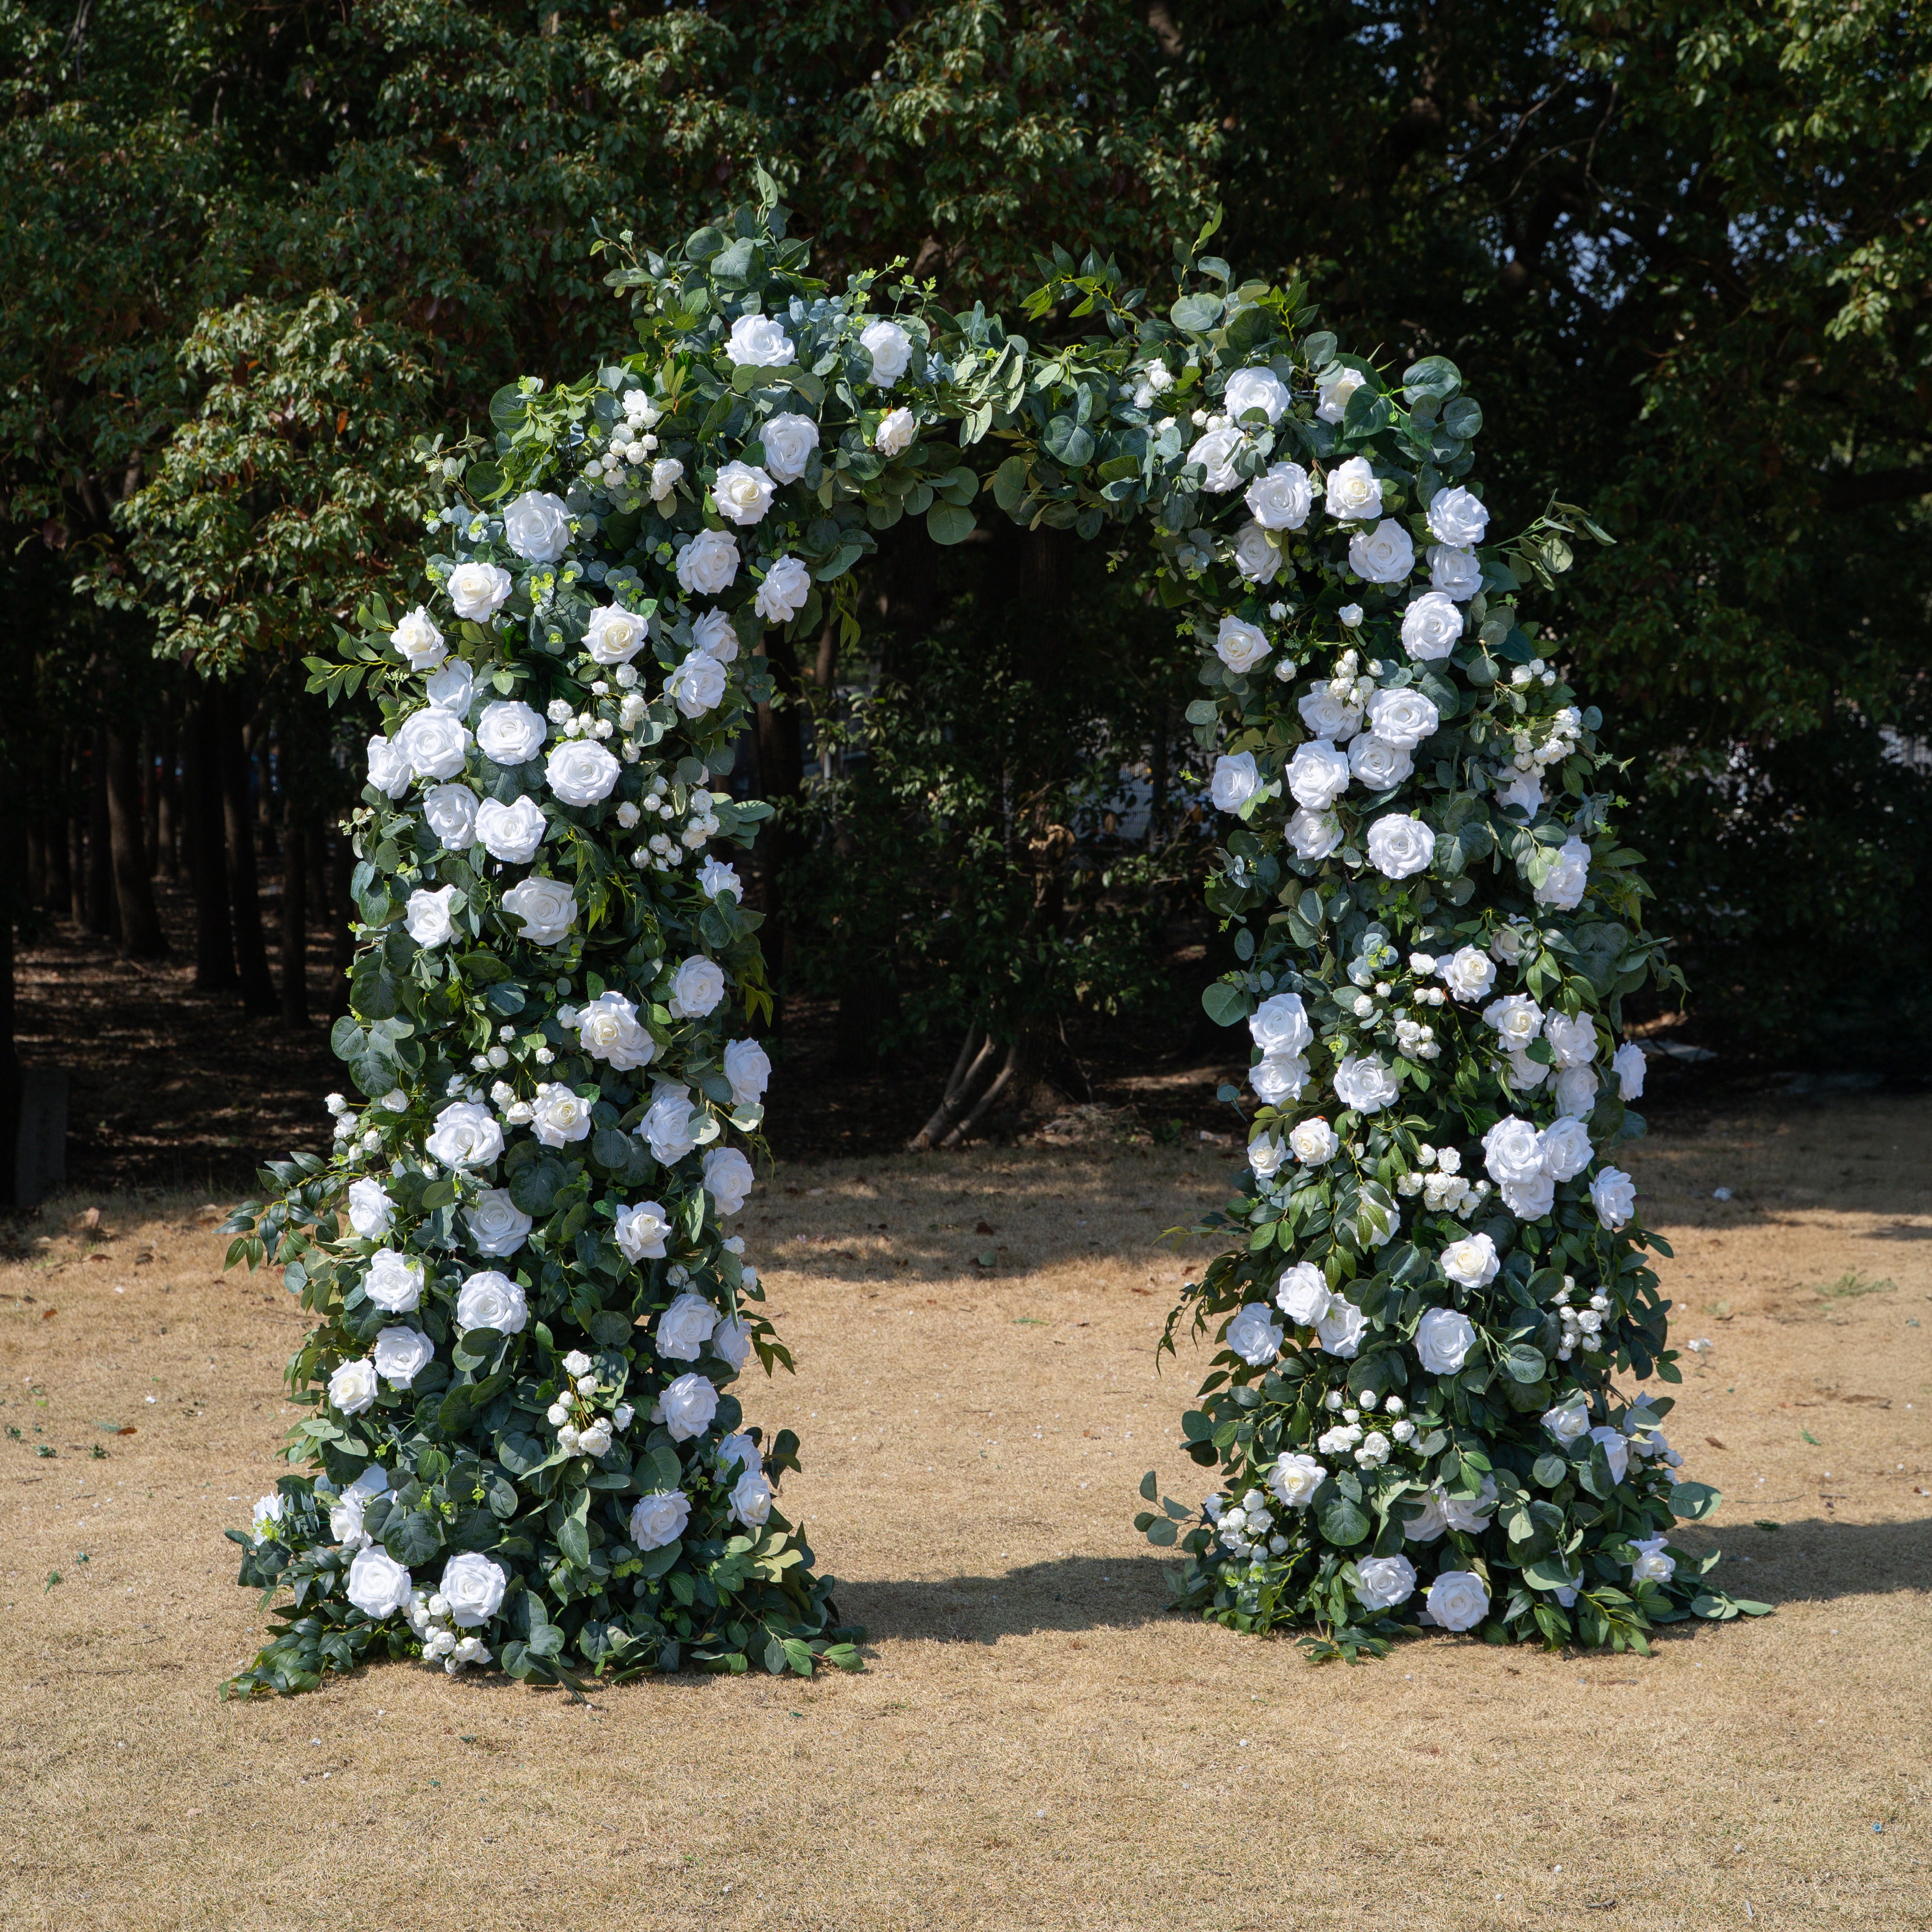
(986, 1228)
(48, 1314)
(1714, 1442)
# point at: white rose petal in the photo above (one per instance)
(1314, 835)
(785, 591)
(1255, 1335)
(1443, 1339)
(478, 591)
(558, 1116)
(608, 1029)
(1376, 765)
(1281, 498)
(371, 1213)
(1613, 1195)
(1628, 1064)
(788, 441)
(1354, 493)
(758, 342)
(1239, 645)
(1563, 887)
(658, 1519)
(1255, 389)
(352, 1387)
(727, 1178)
(473, 1587)
(689, 1404)
(1384, 555)
(467, 1134)
(1280, 1025)
(1327, 716)
(1383, 1582)
(1302, 1295)
(536, 526)
(896, 433)
(379, 1586)
(1458, 518)
(748, 1068)
(426, 917)
(389, 770)
(1236, 779)
(545, 910)
(490, 1299)
(1363, 1083)
(743, 494)
(1402, 718)
(890, 348)
(642, 1230)
(707, 566)
(581, 772)
(419, 641)
(614, 635)
(1399, 847)
(1318, 775)
(400, 1354)
(1458, 1600)
(1340, 1331)
(509, 733)
(1456, 574)
(511, 832)
(696, 987)
(434, 742)
(496, 1225)
(698, 684)
(684, 1328)
(449, 810)
(1333, 392)
(1471, 1262)
(1215, 452)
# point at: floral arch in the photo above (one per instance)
(523, 1447)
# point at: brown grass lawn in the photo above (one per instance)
(1035, 1743)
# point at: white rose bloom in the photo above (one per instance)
(496, 1225)
(1530, 1200)
(509, 733)
(1443, 1339)
(1302, 1295)
(1564, 888)
(1215, 452)
(751, 1497)
(1402, 718)
(352, 1388)
(1237, 778)
(1572, 1038)
(785, 592)
(689, 1404)
(748, 1068)
(1576, 1091)
(1432, 627)
(1470, 972)
(788, 441)
(1627, 1065)
(608, 1029)
(1383, 1582)
(1457, 517)
(1384, 555)
(714, 634)
(1294, 1479)
(666, 1124)
(478, 590)
(1616, 1450)
(1279, 1024)
(1255, 1335)
(897, 429)
(890, 348)
(1377, 765)
(1517, 1018)
(684, 1328)
(345, 1523)
(1327, 716)
(453, 688)
(1255, 557)
(1266, 1153)
(1512, 1151)
(1424, 1519)
(1566, 1148)
(738, 1452)
(490, 1299)
(1456, 574)
(757, 341)
(400, 1354)
(426, 917)
(379, 1586)
(658, 1519)
(1355, 493)
(434, 742)
(696, 686)
(1278, 1077)
(596, 1440)
(1318, 775)
(1365, 1085)
(1568, 1419)
(1333, 392)
(511, 832)
(732, 1340)
(1507, 944)
(727, 1178)
(696, 987)
(545, 909)
(1314, 835)
(1314, 1142)
(393, 1282)
(419, 641)
(1458, 1600)
(613, 635)
(1613, 1195)
(580, 771)
(536, 526)
(743, 494)
(389, 770)
(1240, 646)
(642, 1231)
(1281, 498)
(1398, 846)
(472, 1586)
(1340, 1331)
(1471, 1262)
(467, 1134)
(449, 810)
(666, 473)
(708, 565)
(1255, 389)
(558, 1116)
(714, 877)
(371, 1213)
(1652, 1565)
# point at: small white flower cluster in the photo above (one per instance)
(1370, 1448)
(1438, 1178)
(1583, 1327)
(429, 1615)
(586, 1416)
(1247, 1527)
(630, 446)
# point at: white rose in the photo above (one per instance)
(1613, 1195)
(785, 592)
(1327, 716)
(1237, 778)
(727, 1178)
(658, 1519)
(1332, 393)
(1255, 556)
(1314, 835)
(1566, 1148)
(1255, 1335)
(1279, 1024)
(1294, 1479)
(758, 342)
(1215, 452)
(895, 432)
(419, 641)
(1398, 846)
(1364, 1085)
(1568, 1419)
(1530, 1200)
(352, 1388)
(1318, 775)
(696, 987)
(1512, 1151)
(714, 877)
(1340, 1331)
(511, 832)
(426, 917)
(449, 810)
(1266, 1153)
(1424, 1519)
(666, 473)
(467, 1134)
(1376, 765)
(642, 1230)
(1314, 1142)
(1469, 974)
(595, 1440)
(1564, 887)
(536, 526)
(472, 1586)
(1471, 1262)
(580, 771)
(345, 1523)
(689, 1404)
(1383, 555)
(393, 1282)
(1255, 389)
(1576, 1091)
(748, 1068)
(371, 1213)
(1616, 1450)
(666, 1124)
(1281, 498)
(379, 1586)
(732, 1340)
(1402, 718)
(388, 770)
(1443, 1339)
(453, 688)
(1240, 646)
(1354, 495)
(490, 1299)
(1506, 944)
(558, 1116)
(743, 494)
(1457, 518)
(1456, 574)
(1302, 1295)
(1458, 1600)
(751, 1497)
(788, 441)
(890, 348)
(708, 565)
(545, 909)
(1517, 1018)
(696, 686)
(613, 635)
(497, 1225)
(608, 1029)
(1277, 1077)
(400, 1354)
(478, 590)
(1572, 1038)
(1652, 1565)
(509, 733)
(434, 742)
(716, 636)
(1627, 1064)
(684, 1328)
(1383, 1582)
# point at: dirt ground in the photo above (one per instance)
(1035, 1743)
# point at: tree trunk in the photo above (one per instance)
(151, 801)
(36, 865)
(294, 910)
(11, 881)
(167, 795)
(104, 911)
(781, 779)
(141, 934)
(259, 997)
(207, 863)
(57, 893)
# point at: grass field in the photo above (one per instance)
(1035, 1742)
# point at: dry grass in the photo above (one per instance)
(1035, 1743)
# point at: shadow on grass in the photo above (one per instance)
(1070, 1594)
(1817, 1559)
